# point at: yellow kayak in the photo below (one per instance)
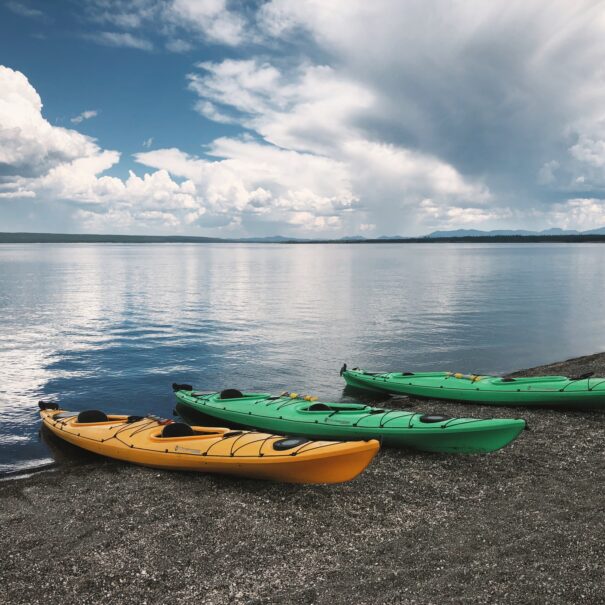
(152, 441)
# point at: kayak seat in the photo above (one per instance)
(92, 416)
(231, 394)
(429, 418)
(177, 429)
(324, 407)
(319, 407)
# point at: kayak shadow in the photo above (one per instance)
(377, 397)
(66, 454)
(364, 395)
(196, 418)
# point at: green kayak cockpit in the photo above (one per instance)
(302, 405)
(337, 408)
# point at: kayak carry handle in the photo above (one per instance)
(343, 369)
(582, 376)
(181, 387)
(48, 405)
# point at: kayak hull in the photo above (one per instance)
(550, 391)
(214, 450)
(394, 428)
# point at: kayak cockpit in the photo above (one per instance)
(529, 380)
(333, 408)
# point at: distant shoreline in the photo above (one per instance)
(83, 238)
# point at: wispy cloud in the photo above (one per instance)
(25, 11)
(178, 46)
(182, 23)
(85, 115)
(121, 39)
(147, 143)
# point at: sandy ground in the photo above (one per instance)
(522, 525)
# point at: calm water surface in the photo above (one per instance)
(112, 326)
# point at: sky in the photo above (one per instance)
(303, 118)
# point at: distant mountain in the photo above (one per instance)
(510, 232)
(557, 231)
(478, 233)
(269, 239)
(353, 238)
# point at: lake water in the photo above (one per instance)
(112, 326)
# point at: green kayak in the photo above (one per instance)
(290, 414)
(581, 392)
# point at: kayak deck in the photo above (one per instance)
(213, 450)
(293, 415)
(553, 391)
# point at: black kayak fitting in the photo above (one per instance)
(181, 387)
(48, 405)
(428, 418)
(288, 443)
(582, 376)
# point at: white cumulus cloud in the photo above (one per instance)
(309, 117)
(52, 163)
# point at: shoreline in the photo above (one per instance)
(86, 238)
(523, 524)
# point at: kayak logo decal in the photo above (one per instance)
(186, 450)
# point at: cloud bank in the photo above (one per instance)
(351, 117)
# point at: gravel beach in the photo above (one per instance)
(521, 525)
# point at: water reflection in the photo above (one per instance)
(112, 326)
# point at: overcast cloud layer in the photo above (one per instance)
(351, 117)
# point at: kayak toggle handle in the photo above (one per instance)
(343, 369)
(48, 405)
(181, 387)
